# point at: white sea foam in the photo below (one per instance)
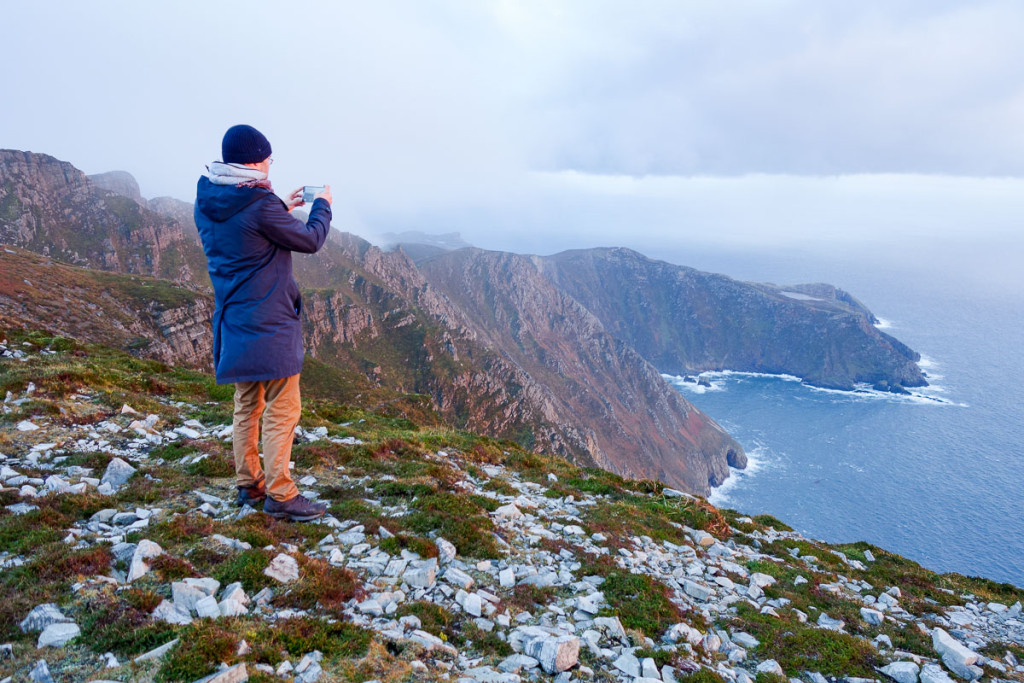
(717, 383)
(758, 459)
(883, 324)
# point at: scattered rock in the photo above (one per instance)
(234, 674)
(283, 568)
(42, 616)
(554, 654)
(118, 473)
(57, 635)
(145, 550)
(41, 673)
(902, 672)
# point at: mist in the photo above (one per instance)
(878, 130)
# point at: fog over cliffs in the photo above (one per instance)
(562, 353)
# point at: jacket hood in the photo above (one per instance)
(221, 202)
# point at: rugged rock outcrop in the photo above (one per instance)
(150, 317)
(685, 321)
(641, 426)
(50, 207)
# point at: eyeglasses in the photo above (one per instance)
(270, 159)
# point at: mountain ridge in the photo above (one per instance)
(499, 342)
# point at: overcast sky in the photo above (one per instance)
(543, 125)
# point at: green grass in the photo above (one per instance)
(803, 647)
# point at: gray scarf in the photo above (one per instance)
(237, 175)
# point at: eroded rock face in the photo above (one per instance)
(685, 321)
(51, 207)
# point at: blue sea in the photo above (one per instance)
(938, 476)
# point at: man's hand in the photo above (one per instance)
(326, 194)
(294, 199)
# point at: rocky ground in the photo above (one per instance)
(444, 556)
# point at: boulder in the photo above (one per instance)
(283, 568)
(234, 674)
(770, 666)
(118, 473)
(958, 657)
(40, 673)
(554, 654)
(872, 616)
(933, 673)
(629, 665)
(902, 672)
(145, 550)
(57, 635)
(42, 616)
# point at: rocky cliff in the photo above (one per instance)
(50, 207)
(149, 316)
(634, 421)
(686, 321)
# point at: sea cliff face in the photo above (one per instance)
(685, 321)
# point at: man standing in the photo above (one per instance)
(249, 235)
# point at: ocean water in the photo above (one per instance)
(938, 476)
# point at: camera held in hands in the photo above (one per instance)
(310, 191)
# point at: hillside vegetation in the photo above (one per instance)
(445, 555)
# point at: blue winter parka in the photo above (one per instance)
(249, 236)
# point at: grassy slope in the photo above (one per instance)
(398, 458)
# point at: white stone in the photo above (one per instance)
(761, 580)
(509, 511)
(446, 551)
(40, 673)
(554, 654)
(371, 607)
(118, 472)
(952, 651)
(485, 674)
(902, 672)
(457, 577)
(172, 613)
(933, 673)
(649, 668)
(702, 538)
(56, 635)
(770, 666)
(825, 621)
(473, 605)
(234, 674)
(42, 616)
(207, 585)
(185, 596)
(744, 639)
(421, 577)
(628, 664)
(26, 426)
(515, 663)
(207, 607)
(234, 591)
(872, 616)
(231, 608)
(283, 568)
(506, 578)
(696, 590)
(145, 550)
(156, 653)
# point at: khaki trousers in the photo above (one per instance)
(280, 398)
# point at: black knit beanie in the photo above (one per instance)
(244, 145)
